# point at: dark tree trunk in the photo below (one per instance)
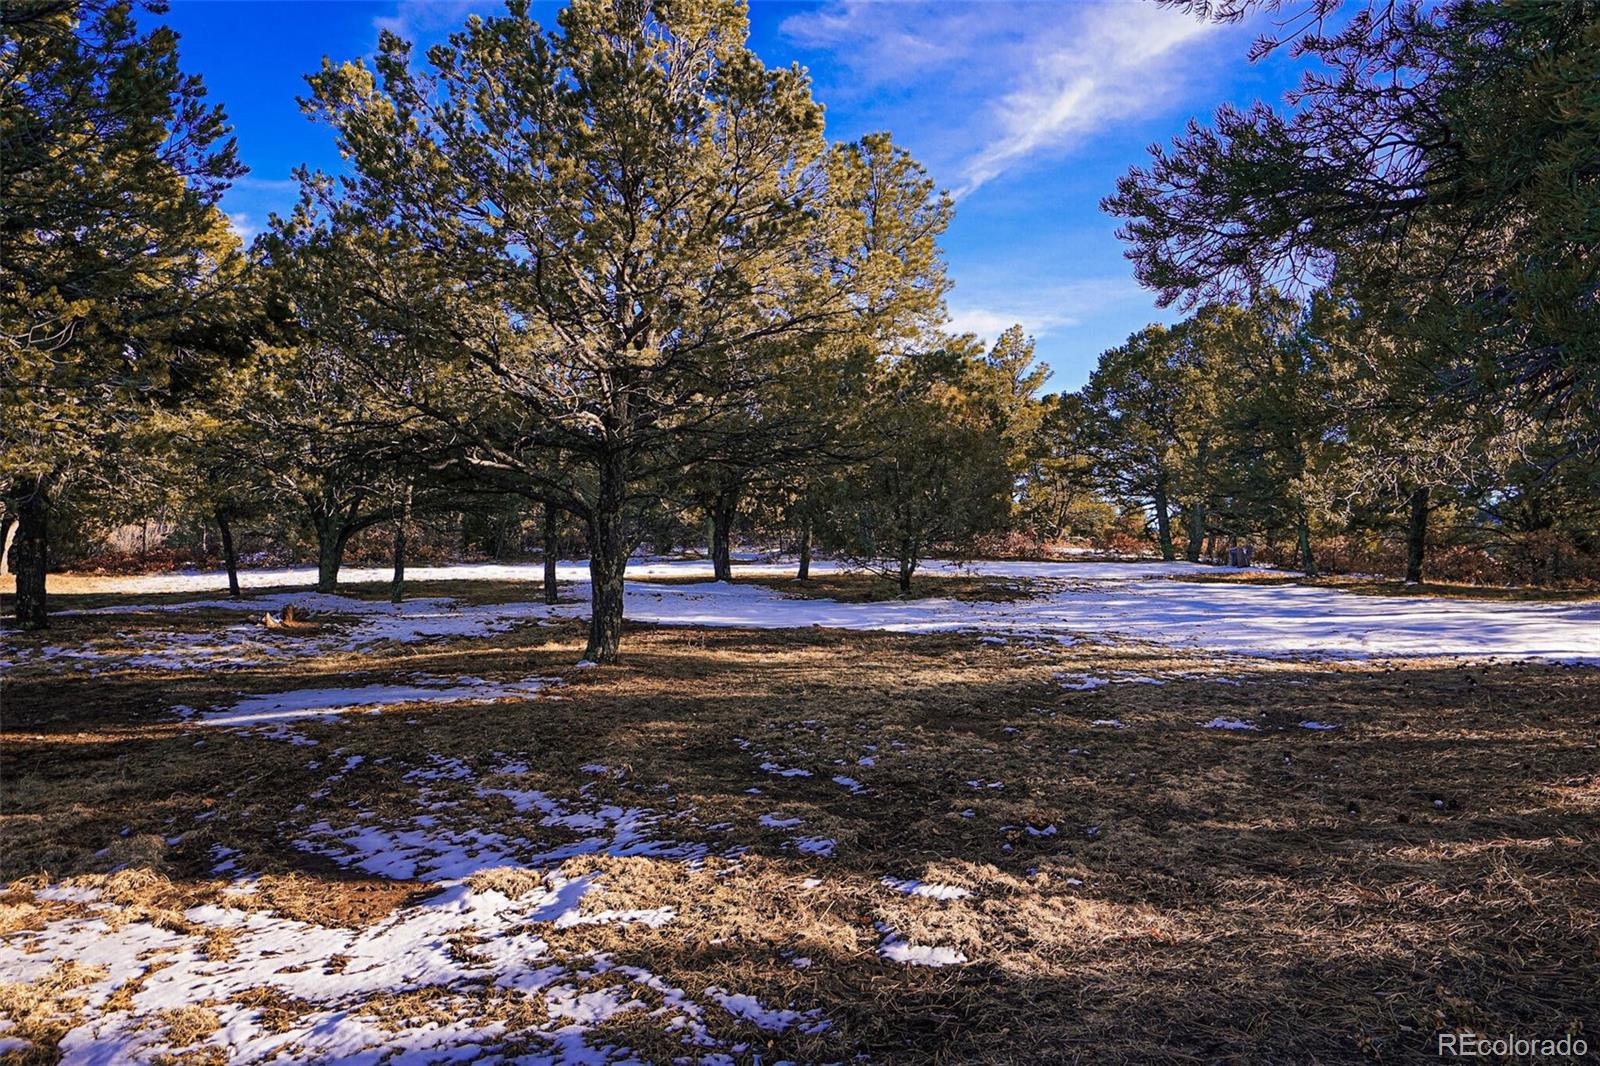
(1197, 532)
(397, 589)
(330, 554)
(552, 546)
(804, 573)
(1163, 519)
(908, 563)
(230, 555)
(1417, 535)
(1308, 561)
(608, 562)
(722, 512)
(32, 557)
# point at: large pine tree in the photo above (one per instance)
(633, 215)
(112, 248)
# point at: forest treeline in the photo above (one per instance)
(608, 284)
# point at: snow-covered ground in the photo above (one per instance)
(462, 950)
(270, 708)
(1071, 599)
(413, 952)
(1136, 601)
(463, 947)
(567, 570)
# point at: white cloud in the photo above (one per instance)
(270, 185)
(987, 323)
(419, 18)
(881, 43)
(242, 226)
(1012, 80)
(1041, 310)
(1123, 62)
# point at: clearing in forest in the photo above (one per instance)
(1015, 818)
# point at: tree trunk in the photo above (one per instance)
(804, 573)
(230, 555)
(908, 563)
(330, 553)
(397, 589)
(552, 546)
(608, 562)
(8, 529)
(1197, 532)
(1163, 519)
(722, 512)
(1308, 561)
(1417, 535)
(32, 550)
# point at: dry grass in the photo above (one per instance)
(187, 1025)
(69, 592)
(1158, 892)
(873, 588)
(1381, 586)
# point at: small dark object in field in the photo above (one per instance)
(289, 621)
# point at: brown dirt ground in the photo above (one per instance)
(1277, 895)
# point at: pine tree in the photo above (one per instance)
(1442, 159)
(1152, 405)
(112, 249)
(633, 214)
(937, 473)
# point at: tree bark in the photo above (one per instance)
(608, 562)
(330, 553)
(32, 551)
(230, 555)
(804, 573)
(397, 589)
(1196, 514)
(1163, 519)
(552, 546)
(908, 563)
(722, 512)
(1417, 535)
(8, 529)
(1308, 561)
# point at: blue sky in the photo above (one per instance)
(1026, 111)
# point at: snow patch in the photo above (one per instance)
(1227, 723)
(897, 949)
(416, 950)
(326, 703)
(822, 847)
(923, 890)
